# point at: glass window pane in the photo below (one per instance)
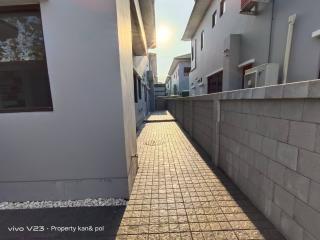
(24, 80)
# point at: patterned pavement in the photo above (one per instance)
(177, 196)
(161, 116)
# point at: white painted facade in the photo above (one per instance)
(237, 38)
(86, 146)
(178, 76)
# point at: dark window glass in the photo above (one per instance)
(24, 80)
(145, 94)
(186, 71)
(139, 87)
(214, 19)
(222, 7)
(192, 53)
(135, 88)
(202, 39)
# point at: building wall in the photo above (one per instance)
(305, 57)
(127, 64)
(141, 66)
(82, 148)
(179, 79)
(257, 34)
(183, 80)
(267, 141)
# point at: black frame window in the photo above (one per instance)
(24, 79)
(135, 88)
(139, 88)
(222, 7)
(214, 19)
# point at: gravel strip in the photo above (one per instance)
(100, 202)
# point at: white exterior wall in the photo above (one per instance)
(254, 39)
(183, 80)
(179, 79)
(83, 148)
(260, 39)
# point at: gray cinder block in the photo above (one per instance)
(284, 200)
(307, 217)
(287, 155)
(297, 184)
(309, 165)
(303, 134)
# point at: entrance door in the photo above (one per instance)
(215, 82)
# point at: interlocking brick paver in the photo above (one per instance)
(176, 195)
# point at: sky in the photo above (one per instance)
(171, 20)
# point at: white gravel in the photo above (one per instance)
(99, 202)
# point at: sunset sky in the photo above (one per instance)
(171, 19)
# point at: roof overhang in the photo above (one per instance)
(149, 20)
(198, 12)
(143, 26)
(177, 60)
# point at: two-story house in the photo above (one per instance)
(178, 77)
(277, 39)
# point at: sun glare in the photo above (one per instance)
(164, 34)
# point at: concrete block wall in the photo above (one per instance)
(267, 140)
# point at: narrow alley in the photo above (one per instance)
(177, 195)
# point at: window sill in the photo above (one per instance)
(21, 110)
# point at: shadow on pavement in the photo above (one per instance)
(105, 220)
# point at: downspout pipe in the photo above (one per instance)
(292, 20)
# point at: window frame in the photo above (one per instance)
(214, 19)
(139, 88)
(202, 40)
(223, 7)
(24, 8)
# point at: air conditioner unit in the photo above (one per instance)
(250, 6)
(263, 75)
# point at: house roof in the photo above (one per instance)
(177, 60)
(198, 12)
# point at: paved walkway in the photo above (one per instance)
(177, 196)
(162, 116)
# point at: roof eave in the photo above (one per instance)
(199, 10)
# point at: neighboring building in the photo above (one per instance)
(67, 96)
(160, 90)
(177, 81)
(229, 37)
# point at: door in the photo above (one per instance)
(215, 82)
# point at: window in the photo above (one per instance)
(214, 19)
(215, 82)
(192, 53)
(186, 71)
(24, 79)
(135, 88)
(202, 39)
(145, 94)
(139, 88)
(222, 7)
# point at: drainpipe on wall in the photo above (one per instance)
(292, 20)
